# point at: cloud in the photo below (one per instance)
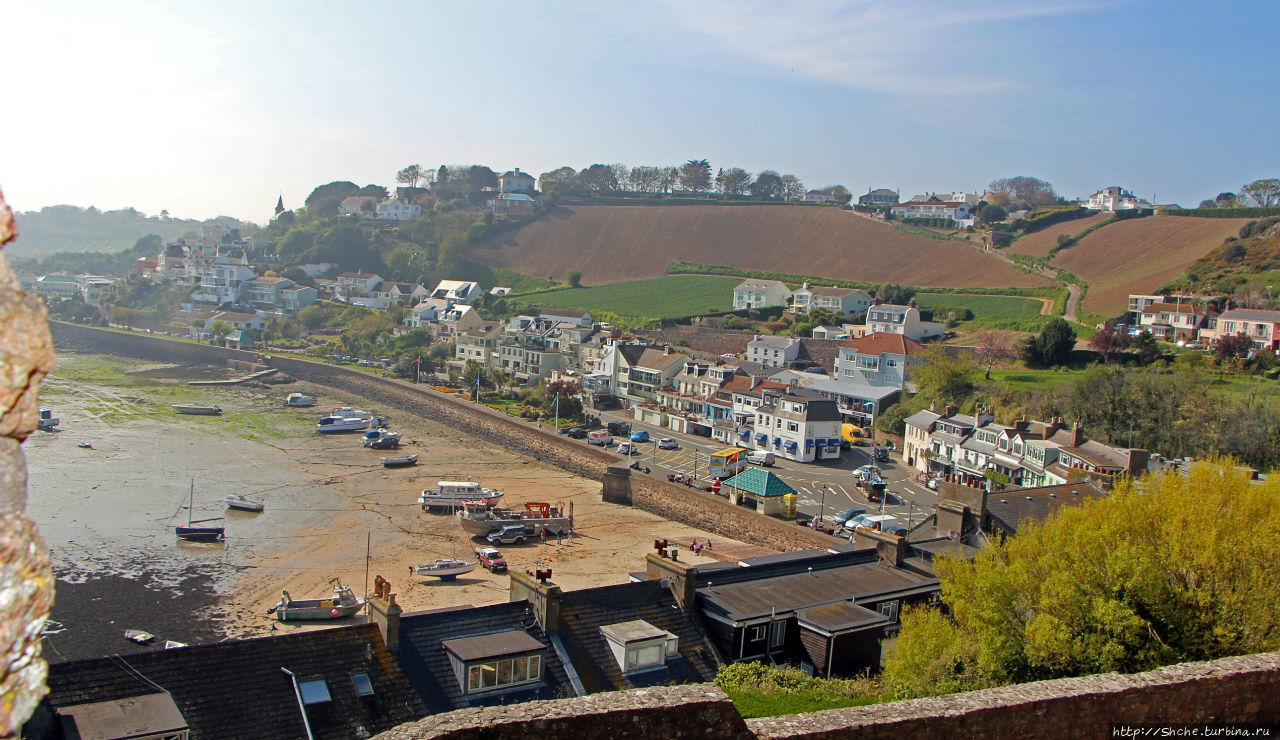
(911, 47)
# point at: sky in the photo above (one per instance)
(207, 109)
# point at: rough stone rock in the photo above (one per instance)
(26, 349)
(26, 596)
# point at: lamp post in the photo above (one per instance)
(822, 507)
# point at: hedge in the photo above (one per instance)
(696, 268)
(1225, 212)
(1043, 219)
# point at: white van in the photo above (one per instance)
(599, 437)
(760, 457)
(884, 523)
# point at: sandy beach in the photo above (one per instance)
(107, 512)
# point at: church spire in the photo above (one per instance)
(280, 205)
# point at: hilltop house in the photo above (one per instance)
(845, 301)
(904, 320)
(277, 295)
(759, 293)
(771, 351)
(932, 208)
(456, 290)
(1175, 321)
(819, 196)
(515, 181)
(1115, 198)
(355, 205)
(878, 197)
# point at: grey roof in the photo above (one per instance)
(1007, 509)
(493, 645)
(772, 341)
(923, 419)
(832, 292)
(742, 601)
(845, 387)
(1250, 314)
(841, 616)
(759, 284)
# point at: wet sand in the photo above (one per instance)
(107, 513)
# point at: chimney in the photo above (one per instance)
(385, 612)
(682, 577)
(1077, 434)
(543, 597)
(889, 547)
(952, 410)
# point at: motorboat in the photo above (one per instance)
(48, 422)
(197, 409)
(340, 424)
(343, 603)
(476, 518)
(446, 569)
(298, 400)
(451, 494)
(381, 439)
(350, 412)
(400, 461)
(240, 503)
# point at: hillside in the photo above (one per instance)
(72, 229)
(1140, 255)
(1039, 243)
(617, 243)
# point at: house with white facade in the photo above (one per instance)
(277, 295)
(845, 301)
(479, 344)
(772, 351)
(1263, 327)
(819, 196)
(238, 320)
(566, 316)
(458, 318)
(218, 280)
(1175, 321)
(933, 208)
(356, 285)
(877, 359)
(798, 424)
(515, 181)
(904, 320)
(760, 293)
(513, 205)
(92, 287)
(62, 286)
(639, 371)
(354, 205)
(426, 313)
(394, 209)
(403, 293)
(456, 290)
(1115, 198)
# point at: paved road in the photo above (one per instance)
(824, 488)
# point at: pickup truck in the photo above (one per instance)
(509, 535)
(491, 560)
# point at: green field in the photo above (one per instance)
(984, 307)
(672, 296)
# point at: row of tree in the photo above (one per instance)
(1260, 193)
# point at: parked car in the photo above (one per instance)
(846, 515)
(619, 427)
(667, 443)
(640, 436)
(491, 560)
(576, 433)
(882, 454)
(627, 448)
(866, 471)
(510, 535)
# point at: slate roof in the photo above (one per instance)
(866, 581)
(237, 689)
(425, 660)
(923, 419)
(1008, 509)
(855, 387)
(1250, 314)
(583, 613)
(832, 292)
(759, 482)
(841, 616)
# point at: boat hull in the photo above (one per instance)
(402, 461)
(445, 571)
(197, 410)
(244, 504)
(303, 613)
(343, 426)
(476, 525)
(201, 534)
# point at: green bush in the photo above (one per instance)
(1225, 212)
(760, 690)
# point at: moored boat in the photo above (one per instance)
(48, 422)
(400, 461)
(343, 604)
(192, 533)
(446, 569)
(198, 409)
(298, 400)
(241, 503)
(339, 424)
(451, 494)
(381, 439)
(537, 515)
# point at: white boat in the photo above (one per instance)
(400, 461)
(381, 439)
(339, 424)
(142, 637)
(297, 400)
(349, 412)
(198, 409)
(478, 519)
(243, 504)
(450, 494)
(342, 604)
(446, 569)
(47, 420)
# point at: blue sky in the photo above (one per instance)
(215, 108)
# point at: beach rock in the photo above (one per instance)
(28, 351)
(26, 596)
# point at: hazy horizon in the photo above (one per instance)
(217, 110)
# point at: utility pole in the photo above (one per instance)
(822, 507)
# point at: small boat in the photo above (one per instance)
(198, 409)
(243, 504)
(477, 518)
(48, 421)
(399, 461)
(345, 412)
(198, 534)
(381, 439)
(446, 569)
(297, 400)
(451, 494)
(141, 637)
(339, 424)
(171, 644)
(343, 604)
(85, 445)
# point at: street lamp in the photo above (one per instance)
(822, 507)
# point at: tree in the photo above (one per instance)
(1107, 341)
(896, 295)
(323, 202)
(991, 213)
(1264, 193)
(841, 193)
(563, 398)
(599, 178)
(1145, 346)
(500, 378)
(312, 317)
(734, 181)
(992, 346)
(1206, 203)
(1233, 345)
(574, 277)
(453, 248)
(1125, 583)
(220, 328)
(410, 175)
(374, 191)
(1225, 200)
(792, 188)
(768, 185)
(941, 377)
(1030, 191)
(646, 179)
(472, 374)
(695, 175)
(560, 179)
(1052, 347)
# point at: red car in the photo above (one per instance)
(491, 559)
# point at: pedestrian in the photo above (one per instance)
(707, 546)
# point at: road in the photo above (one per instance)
(824, 488)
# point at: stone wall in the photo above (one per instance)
(651, 493)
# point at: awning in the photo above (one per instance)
(744, 434)
(777, 441)
(808, 443)
(791, 446)
(762, 438)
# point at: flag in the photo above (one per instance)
(419, 360)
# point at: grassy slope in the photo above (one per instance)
(617, 243)
(1140, 255)
(1039, 243)
(673, 295)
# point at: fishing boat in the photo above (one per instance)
(451, 494)
(400, 461)
(339, 424)
(342, 604)
(446, 569)
(478, 519)
(48, 422)
(192, 533)
(298, 400)
(241, 503)
(198, 409)
(381, 439)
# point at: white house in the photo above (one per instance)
(759, 293)
(459, 318)
(877, 359)
(932, 208)
(819, 196)
(354, 205)
(515, 181)
(566, 316)
(63, 286)
(797, 424)
(456, 290)
(394, 209)
(845, 301)
(903, 320)
(356, 284)
(218, 280)
(425, 313)
(1115, 198)
(771, 351)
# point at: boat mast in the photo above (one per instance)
(191, 502)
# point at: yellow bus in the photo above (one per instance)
(726, 462)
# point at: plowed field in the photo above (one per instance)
(615, 243)
(1139, 256)
(1039, 243)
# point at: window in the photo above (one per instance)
(314, 692)
(889, 609)
(757, 633)
(364, 687)
(792, 426)
(777, 634)
(644, 656)
(507, 672)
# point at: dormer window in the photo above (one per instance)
(495, 661)
(638, 645)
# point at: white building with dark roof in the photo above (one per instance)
(760, 293)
